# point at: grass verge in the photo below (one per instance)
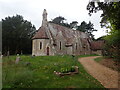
(98, 59)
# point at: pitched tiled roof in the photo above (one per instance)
(97, 45)
(41, 34)
(67, 33)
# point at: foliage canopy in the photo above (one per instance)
(110, 20)
(16, 35)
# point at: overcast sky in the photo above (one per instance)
(31, 10)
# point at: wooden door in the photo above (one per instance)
(47, 50)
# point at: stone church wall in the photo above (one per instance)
(37, 51)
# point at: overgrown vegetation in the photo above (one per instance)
(37, 72)
(110, 20)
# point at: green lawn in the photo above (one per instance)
(39, 74)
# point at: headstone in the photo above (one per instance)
(1, 56)
(21, 52)
(0, 53)
(8, 53)
(17, 59)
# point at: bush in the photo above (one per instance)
(112, 47)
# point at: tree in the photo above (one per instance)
(110, 15)
(73, 24)
(110, 19)
(16, 35)
(87, 28)
(82, 27)
(58, 20)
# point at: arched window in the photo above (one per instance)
(60, 45)
(40, 45)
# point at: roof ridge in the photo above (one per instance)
(65, 27)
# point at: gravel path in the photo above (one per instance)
(107, 76)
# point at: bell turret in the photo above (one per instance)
(44, 21)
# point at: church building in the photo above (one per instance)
(53, 39)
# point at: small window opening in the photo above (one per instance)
(76, 46)
(40, 45)
(60, 45)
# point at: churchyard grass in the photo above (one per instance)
(38, 72)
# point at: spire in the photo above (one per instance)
(44, 21)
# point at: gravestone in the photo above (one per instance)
(17, 59)
(1, 55)
(8, 53)
(21, 52)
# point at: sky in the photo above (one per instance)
(31, 10)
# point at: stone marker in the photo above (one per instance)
(1, 56)
(17, 59)
(8, 54)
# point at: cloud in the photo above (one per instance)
(31, 10)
